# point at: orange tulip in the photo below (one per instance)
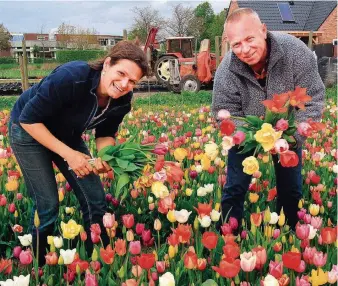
(329, 235)
(107, 254)
(204, 209)
(183, 232)
(120, 247)
(256, 219)
(228, 267)
(190, 260)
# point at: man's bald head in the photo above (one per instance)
(237, 15)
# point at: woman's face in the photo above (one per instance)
(117, 80)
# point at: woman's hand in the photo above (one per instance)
(78, 162)
(100, 166)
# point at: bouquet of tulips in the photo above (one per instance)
(127, 160)
(273, 133)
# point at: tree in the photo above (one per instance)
(216, 27)
(204, 16)
(181, 21)
(5, 38)
(144, 19)
(76, 37)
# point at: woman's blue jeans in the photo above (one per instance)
(288, 184)
(36, 165)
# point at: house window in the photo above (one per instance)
(41, 38)
(285, 12)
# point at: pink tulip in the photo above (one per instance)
(26, 257)
(316, 222)
(135, 247)
(301, 267)
(276, 233)
(276, 269)
(139, 228)
(319, 259)
(146, 235)
(239, 137)
(226, 229)
(281, 146)
(160, 266)
(261, 256)
(307, 218)
(248, 261)
(90, 279)
(233, 223)
(282, 125)
(302, 231)
(108, 220)
(244, 234)
(303, 281)
(16, 251)
(11, 208)
(308, 254)
(304, 129)
(3, 200)
(223, 114)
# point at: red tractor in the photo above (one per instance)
(180, 68)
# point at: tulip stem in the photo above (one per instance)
(247, 276)
(36, 268)
(238, 118)
(158, 240)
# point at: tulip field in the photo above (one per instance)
(162, 225)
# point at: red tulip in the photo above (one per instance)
(201, 264)
(227, 127)
(209, 240)
(5, 266)
(291, 260)
(146, 261)
(82, 265)
(228, 267)
(128, 220)
(289, 159)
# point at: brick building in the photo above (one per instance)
(296, 17)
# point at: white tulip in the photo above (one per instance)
(25, 240)
(58, 241)
(209, 188)
(273, 218)
(182, 216)
(201, 192)
(313, 232)
(17, 281)
(215, 215)
(167, 279)
(335, 169)
(205, 221)
(270, 281)
(199, 168)
(68, 255)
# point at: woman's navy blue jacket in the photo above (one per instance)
(65, 101)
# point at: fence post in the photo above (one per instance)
(309, 44)
(125, 35)
(22, 72)
(217, 50)
(24, 62)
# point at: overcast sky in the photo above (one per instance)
(106, 17)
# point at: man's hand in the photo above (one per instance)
(78, 162)
(100, 166)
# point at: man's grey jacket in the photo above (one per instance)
(291, 64)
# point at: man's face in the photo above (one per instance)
(247, 39)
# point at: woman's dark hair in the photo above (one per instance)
(123, 50)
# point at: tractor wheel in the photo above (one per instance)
(175, 88)
(162, 71)
(190, 83)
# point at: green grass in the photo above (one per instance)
(168, 99)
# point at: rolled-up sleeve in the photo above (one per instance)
(55, 90)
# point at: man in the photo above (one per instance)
(261, 64)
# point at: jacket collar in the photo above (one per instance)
(276, 53)
(95, 81)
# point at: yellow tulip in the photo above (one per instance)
(314, 209)
(318, 277)
(70, 229)
(159, 189)
(253, 197)
(267, 136)
(180, 154)
(171, 251)
(157, 224)
(250, 165)
(171, 216)
(36, 219)
(60, 178)
(205, 162)
(188, 192)
(12, 184)
(281, 220)
(265, 158)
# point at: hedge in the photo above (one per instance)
(7, 60)
(78, 55)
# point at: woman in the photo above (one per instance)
(46, 125)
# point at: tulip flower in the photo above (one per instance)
(291, 260)
(25, 240)
(68, 255)
(261, 255)
(182, 216)
(248, 261)
(167, 279)
(70, 229)
(26, 257)
(135, 247)
(228, 267)
(107, 254)
(329, 235)
(190, 260)
(120, 247)
(318, 277)
(6, 266)
(146, 261)
(21, 280)
(128, 220)
(209, 240)
(276, 269)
